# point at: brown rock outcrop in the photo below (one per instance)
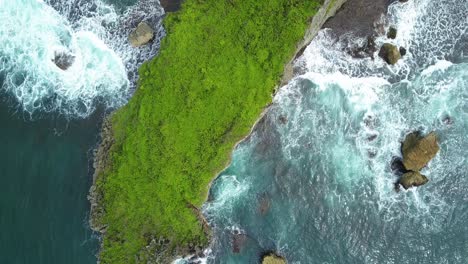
(418, 150)
(390, 53)
(412, 179)
(141, 35)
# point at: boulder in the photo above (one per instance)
(272, 258)
(389, 53)
(418, 151)
(402, 51)
(392, 32)
(141, 35)
(63, 59)
(264, 204)
(412, 179)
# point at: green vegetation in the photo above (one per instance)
(215, 73)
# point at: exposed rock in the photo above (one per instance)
(359, 17)
(171, 5)
(403, 1)
(328, 9)
(63, 59)
(366, 50)
(141, 35)
(389, 53)
(392, 32)
(402, 51)
(418, 151)
(272, 258)
(412, 179)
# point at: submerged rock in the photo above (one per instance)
(389, 53)
(272, 258)
(418, 150)
(264, 203)
(392, 32)
(63, 59)
(238, 242)
(141, 35)
(412, 179)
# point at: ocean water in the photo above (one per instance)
(50, 118)
(314, 181)
(94, 33)
(45, 177)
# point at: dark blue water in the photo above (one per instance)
(45, 177)
(50, 118)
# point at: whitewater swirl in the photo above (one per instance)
(102, 66)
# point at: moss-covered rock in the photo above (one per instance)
(272, 258)
(392, 32)
(389, 53)
(418, 150)
(412, 179)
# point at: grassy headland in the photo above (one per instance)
(215, 73)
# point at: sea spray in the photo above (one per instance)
(323, 153)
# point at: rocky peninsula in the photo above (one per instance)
(159, 153)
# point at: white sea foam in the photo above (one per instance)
(104, 67)
(227, 194)
(372, 89)
(338, 125)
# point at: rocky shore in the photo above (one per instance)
(361, 18)
(355, 18)
(102, 160)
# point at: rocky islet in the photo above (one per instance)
(417, 151)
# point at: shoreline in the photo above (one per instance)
(102, 161)
(328, 10)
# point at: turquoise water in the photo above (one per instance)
(314, 181)
(50, 117)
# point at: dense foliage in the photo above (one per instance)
(215, 73)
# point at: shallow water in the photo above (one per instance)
(314, 183)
